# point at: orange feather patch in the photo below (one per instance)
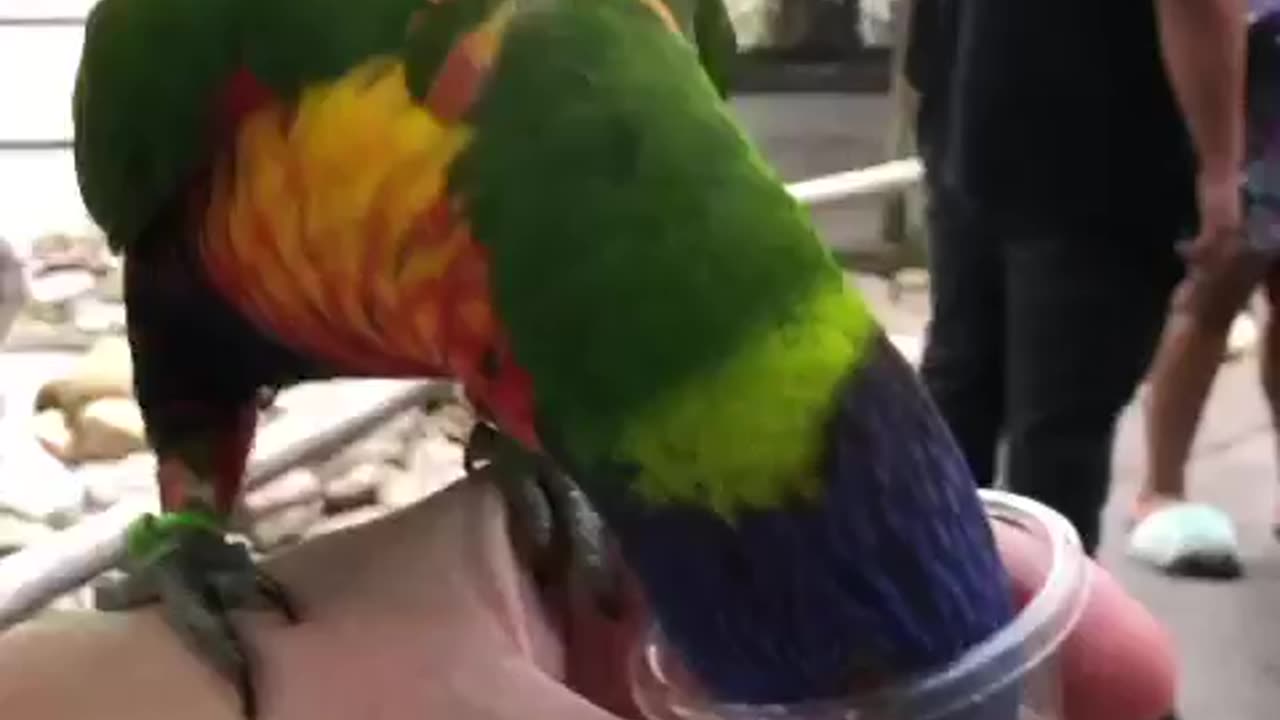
(330, 226)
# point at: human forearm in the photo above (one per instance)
(1203, 42)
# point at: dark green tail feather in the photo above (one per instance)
(141, 104)
(151, 72)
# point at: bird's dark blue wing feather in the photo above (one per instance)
(894, 571)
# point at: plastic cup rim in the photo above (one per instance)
(1058, 604)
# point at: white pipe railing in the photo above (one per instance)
(47, 569)
(869, 181)
(37, 574)
(34, 576)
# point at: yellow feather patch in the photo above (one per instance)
(317, 215)
(750, 433)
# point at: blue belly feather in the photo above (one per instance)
(893, 571)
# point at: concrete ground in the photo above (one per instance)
(1228, 632)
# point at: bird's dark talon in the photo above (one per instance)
(277, 597)
(201, 621)
(530, 514)
(199, 576)
(553, 523)
(482, 446)
(589, 551)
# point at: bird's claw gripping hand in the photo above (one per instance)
(551, 518)
(185, 561)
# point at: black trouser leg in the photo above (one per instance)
(1083, 318)
(963, 362)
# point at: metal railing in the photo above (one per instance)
(54, 566)
(882, 179)
(45, 21)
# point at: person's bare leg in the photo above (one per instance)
(1179, 382)
(1182, 373)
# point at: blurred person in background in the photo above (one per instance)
(1226, 266)
(1069, 148)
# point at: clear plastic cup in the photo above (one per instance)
(1014, 675)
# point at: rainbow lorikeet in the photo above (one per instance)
(550, 201)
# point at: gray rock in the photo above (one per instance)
(281, 430)
(375, 448)
(111, 285)
(434, 464)
(286, 525)
(452, 421)
(402, 488)
(107, 483)
(56, 287)
(317, 398)
(94, 316)
(789, 24)
(35, 486)
(348, 519)
(84, 250)
(75, 601)
(16, 533)
(402, 428)
(108, 428)
(297, 486)
(913, 280)
(875, 21)
(431, 454)
(14, 291)
(753, 20)
(355, 488)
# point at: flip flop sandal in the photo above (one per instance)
(1187, 540)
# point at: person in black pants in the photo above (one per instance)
(1062, 178)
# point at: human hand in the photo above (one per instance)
(1119, 661)
(428, 614)
(1221, 236)
(1117, 664)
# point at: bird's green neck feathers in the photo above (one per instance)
(668, 296)
(748, 432)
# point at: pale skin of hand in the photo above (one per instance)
(441, 623)
(420, 615)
